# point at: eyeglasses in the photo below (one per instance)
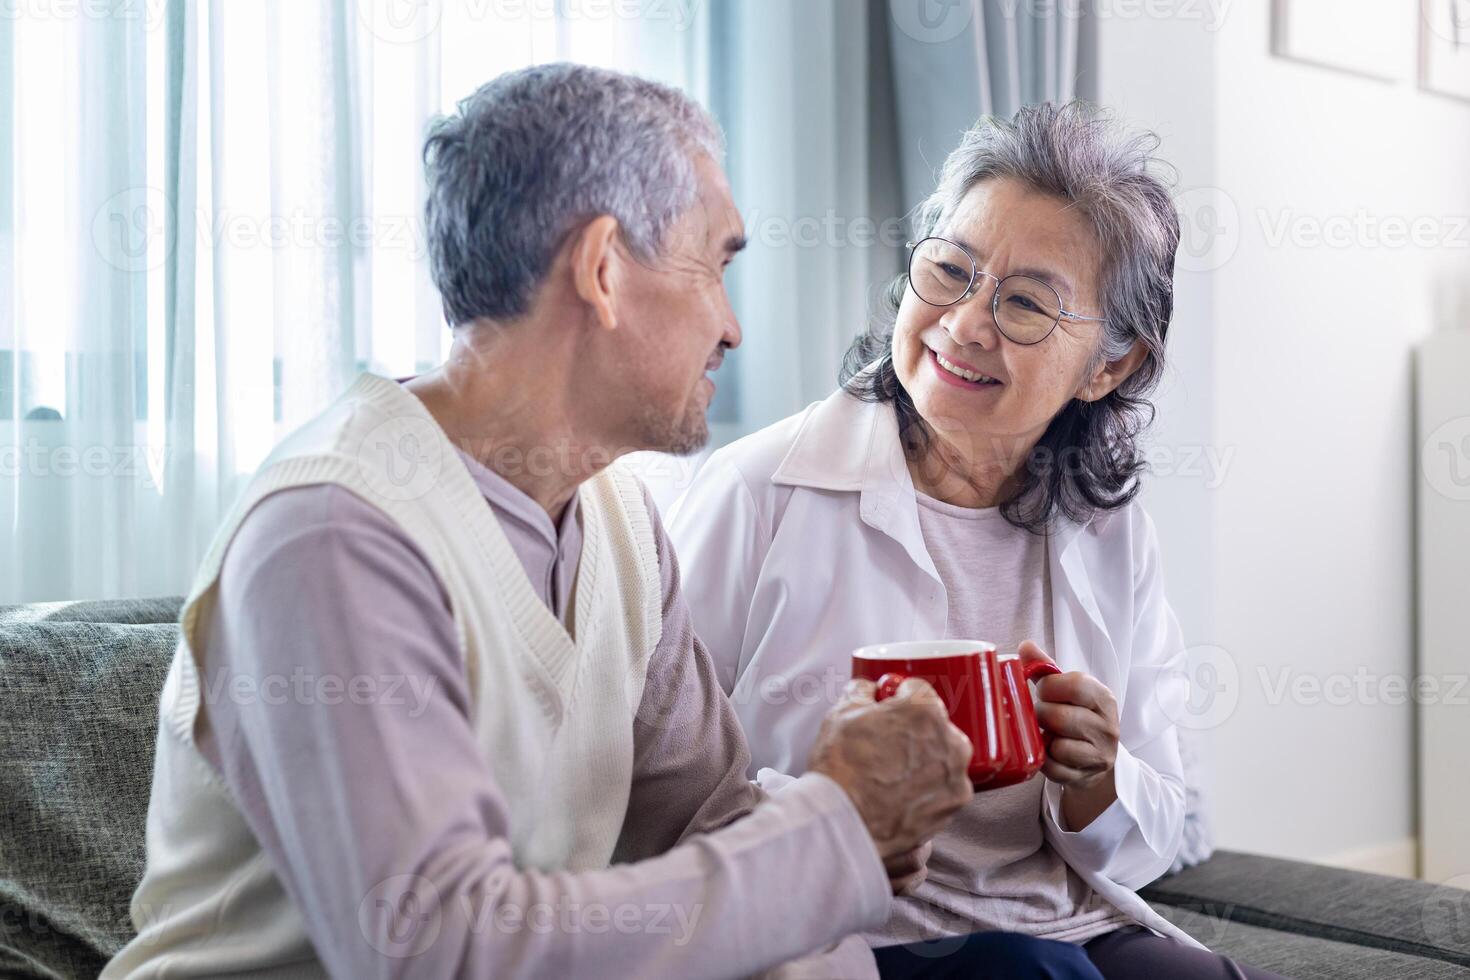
(1027, 310)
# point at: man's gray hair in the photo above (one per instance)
(534, 154)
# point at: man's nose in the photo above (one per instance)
(732, 336)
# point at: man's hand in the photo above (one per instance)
(903, 764)
(1081, 716)
(906, 870)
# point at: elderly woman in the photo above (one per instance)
(975, 476)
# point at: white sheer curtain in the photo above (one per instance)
(209, 223)
(210, 220)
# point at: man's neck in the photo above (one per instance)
(512, 418)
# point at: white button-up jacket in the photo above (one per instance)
(802, 542)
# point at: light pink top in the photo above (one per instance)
(992, 867)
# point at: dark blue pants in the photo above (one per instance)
(1129, 953)
(1003, 955)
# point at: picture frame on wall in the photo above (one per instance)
(1373, 38)
(1444, 47)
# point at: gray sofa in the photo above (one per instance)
(79, 683)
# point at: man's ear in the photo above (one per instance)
(1110, 374)
(596, 267)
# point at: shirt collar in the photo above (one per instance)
(847, 444)
(511, 502)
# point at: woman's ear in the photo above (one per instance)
(1110, 374)
(596, 267)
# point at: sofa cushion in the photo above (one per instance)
(78, 718)
(1305, 957)
(1396, 915)
(123, 611)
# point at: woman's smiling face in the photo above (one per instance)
(1009, 228)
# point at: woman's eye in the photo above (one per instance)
(953, 271)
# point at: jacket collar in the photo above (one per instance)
(846, 444)
(849, 445)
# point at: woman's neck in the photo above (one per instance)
(966, 479)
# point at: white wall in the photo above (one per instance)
(1129, 58)
(1295, 358)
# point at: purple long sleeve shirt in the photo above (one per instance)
(348, 791)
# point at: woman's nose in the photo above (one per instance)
(971, 321)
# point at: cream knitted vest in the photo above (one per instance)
(553, 716)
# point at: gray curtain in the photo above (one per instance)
(804, 93)
(957, 60)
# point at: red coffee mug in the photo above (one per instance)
(985, 693)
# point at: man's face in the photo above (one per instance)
(676, 322)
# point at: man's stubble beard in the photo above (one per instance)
(683, 436)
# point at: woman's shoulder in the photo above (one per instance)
(734, 490)
(824, 445)
(1123, 532)
(751, 484)
(757, 457)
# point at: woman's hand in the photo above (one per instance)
(1081, 716)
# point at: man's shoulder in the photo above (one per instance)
(301, 521)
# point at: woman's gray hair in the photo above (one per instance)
(1088, 458)
(534, 154)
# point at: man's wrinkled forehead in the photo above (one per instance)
(725, 228)
(710, 227)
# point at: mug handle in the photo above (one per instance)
(1033, 669)
(888, 685)
(1030, 671)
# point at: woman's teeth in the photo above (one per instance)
(960, 372)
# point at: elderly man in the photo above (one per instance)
(438, 709)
